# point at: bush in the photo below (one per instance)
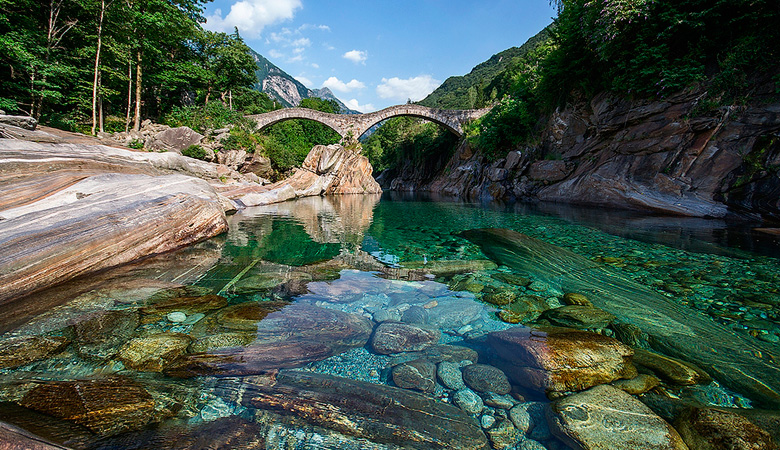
(195, 151)
(503, 128)
(137, 144)
(211, 116)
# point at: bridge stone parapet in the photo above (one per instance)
(352, 126)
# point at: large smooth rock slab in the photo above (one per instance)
(375, 412)
(105, 406)
(560, 359)
(289, 338)
(101, 222)
(742, 363)
(606, 418)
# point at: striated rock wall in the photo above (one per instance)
(649, 155)
(73, 209)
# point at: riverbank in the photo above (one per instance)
(663, 156)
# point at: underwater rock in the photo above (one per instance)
(396, 337)
(714, 429)
(573, 298)
(607, 418)
(503, 435)
(468, 401)
(188, 305)
(520, 418)
(485, 378)
(221, 340)
(450, 375)
(105, 406)
(637, 385)
(265, 281)
(22, 350)
(247, 316)
(419, 375)
(743, 364)
(559, 359)
(500, 298)
(511, 278)
(14, 438)
(498, 401)
(292, 337)
(525, 309)
(155, 352)
(451, 312)
(671, 369)
(379, 413)
(450, 267)
(579, 317)
(225, 433)
(100, 334)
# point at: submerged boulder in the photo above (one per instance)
(22, 350)
(396, 337)
(370, 411)
(291, 337)
(105, 406)
(559, 359)
(714, 429)
(606, 418)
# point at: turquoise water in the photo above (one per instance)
(280, 333)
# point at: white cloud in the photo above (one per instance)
(311, 26)
(411, 88)
(251, 16)
(275, 54)
(356, 56)
(337, 85)
(353, 104)
(302, 42)
(304, 80)
(315, 65)
(298, 50)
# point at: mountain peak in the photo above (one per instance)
(288, 91)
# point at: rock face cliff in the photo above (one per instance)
(648, 155)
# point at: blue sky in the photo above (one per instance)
(374, 54)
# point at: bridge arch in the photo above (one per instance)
(355, 125)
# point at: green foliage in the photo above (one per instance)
(471, 90)
(287, 143)
(48, 65)
(137, 144)
(212, 116)
(241, 139)
(195, 151)
(408, 139)
(503, 128)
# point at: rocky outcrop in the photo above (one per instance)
(327, 170)
(26, 122)
(71, 209)
(175, 139)
(660, 155)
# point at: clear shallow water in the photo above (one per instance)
(185, 347)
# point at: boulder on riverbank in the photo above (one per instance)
(327, 170)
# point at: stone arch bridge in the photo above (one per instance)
(352, 126)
